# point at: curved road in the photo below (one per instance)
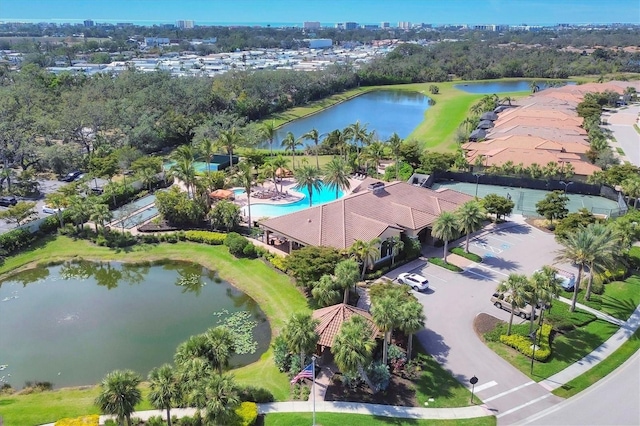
(600, 404)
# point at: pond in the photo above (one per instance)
(71, 324)
(490, 87)
(384, 111)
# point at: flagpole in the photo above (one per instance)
(313, 388)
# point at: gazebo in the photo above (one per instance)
(331, 319)
(222, 194)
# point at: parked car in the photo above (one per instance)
(415, 281)
(72, 176)
(500, 301)
(51, 210)
(567, 279)
(8, 200)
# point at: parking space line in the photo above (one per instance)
(486, 268)
(500, 395)
(505, 241)
(480, 275)
(420, 270)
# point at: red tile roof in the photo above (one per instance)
(331, 319)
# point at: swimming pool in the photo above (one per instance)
(259, 210)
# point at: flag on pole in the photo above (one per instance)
(306, 373)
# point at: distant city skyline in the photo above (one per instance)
(328, 12)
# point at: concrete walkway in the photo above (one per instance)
(598, 314)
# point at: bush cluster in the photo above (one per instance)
(440, 262)
(257, 395)
(247, 413)
(240, 246)
(206, 237)
(524, 345)
(91, 420)
(13, 241)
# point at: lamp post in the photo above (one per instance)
(477, 175)
(566, 185)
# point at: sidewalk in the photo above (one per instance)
(598, 314)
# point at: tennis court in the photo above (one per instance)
(525, 199)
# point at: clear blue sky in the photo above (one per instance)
(326, 11)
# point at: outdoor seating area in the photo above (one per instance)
(360, 176)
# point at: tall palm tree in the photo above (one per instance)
(395, 143)
(411, 320)
(208, 149)
(230, 140)
(220, 347)
(578, 247)
(375, 153)
(608, 243)
(268, 171)
(119, 394)
(357, 133)
(164, 389)
(290, 143)
(336, 175)
(269, 132)
(396, 247)
(314, 136)
(544, 286)
(325, 291)
(445, 228)
(470, 217)
(308, 177)
(367, 252)
(279, 162)
(100, 214)
(338, 139)
(218, 396)
(147, 176)
(353, 346)
(385, 315)
(185, 170)
(300, 333)
(515, 289)
(244, 178)
(347, 273)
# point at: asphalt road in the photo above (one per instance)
(621, 125)
(615, 400)
(454, 300)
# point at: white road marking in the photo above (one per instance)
(486, 386)
(519, 407)
(500, 395)
(480, 275)
(504, 241)
(487, 247)
(481, 266)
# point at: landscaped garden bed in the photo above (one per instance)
(401, 392)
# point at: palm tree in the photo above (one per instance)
(607, 248)
(336, 175)
(185, 170)
(58, 201)
(100, 214)
(269, 171)
(308, 177)
(269, 132)
(515, 292)
(385, 315)
(119, 394)
(325, 291)
(411, 320)
(353, 346)
(164, 389)
(367, 252)
(347, 273)
(470, 217)
(230, 140)
(469, 123)
(395, 143)
(445, 228)
(579, 247)
(218, 396)
(208, 149)
(279, 162)
(220, 347)
(290, 143)
(147, 176)
(375, 153)
(544, 286)
(300, 333)
(396, 247)
(338, 139)
(357, 133)
(314, 136)
(244, 178)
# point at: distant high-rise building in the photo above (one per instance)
(404, 25)
(185, 25)
(311, 25)
(340, 26)
(89, 23)
(384, 25)
(350, 25)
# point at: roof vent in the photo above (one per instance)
(376, 187)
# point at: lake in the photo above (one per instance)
(490, 87)
(384, 111)
(71, 324)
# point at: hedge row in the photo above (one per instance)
(91, 420)
(205, 237)
(523, 345)
(471, 256)
(440, 262)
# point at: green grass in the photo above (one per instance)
(341, 419)
(620, 150)
(471, 256)
(565, 349)
(619, 300)
(635, 126)
(601, 370)
(440, 262)
(273, 291)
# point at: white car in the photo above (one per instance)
(51, 210)
(415, 281)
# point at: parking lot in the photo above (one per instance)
(455, 299)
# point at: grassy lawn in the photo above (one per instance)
(565, 349)
(273, 291)
(598, 372)
(619, 300)
(439, 384)
(340, 419)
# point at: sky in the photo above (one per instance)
(149, 12)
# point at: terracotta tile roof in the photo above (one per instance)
(577, 134)
(365, 215)
(528, 142)
(331, 319)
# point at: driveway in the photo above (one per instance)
(453, 302)
(620, 123)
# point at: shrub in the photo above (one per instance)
(15, 240)
(278, 262)
(524, 345)
(236, 243)
(155, 421)
(247, 413)
(281, 355)
(379, 375)
(91, 420)
(249, 250)
(471, 256)
(440, 262)
(254, 394)
(205, 237)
